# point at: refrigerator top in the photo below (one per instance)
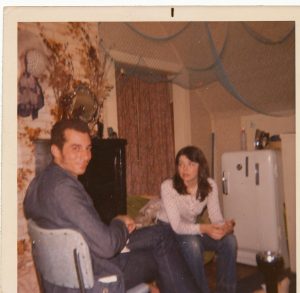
(264, 151)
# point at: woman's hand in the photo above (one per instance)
(217, 231)
(228, 226)
(214, 231)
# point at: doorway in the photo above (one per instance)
(145, 120)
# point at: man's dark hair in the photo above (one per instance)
(58, 130)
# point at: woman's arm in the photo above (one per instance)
(219, 228)
(213, 204)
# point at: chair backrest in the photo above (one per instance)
(56, 252)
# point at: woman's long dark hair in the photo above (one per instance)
(194, 154)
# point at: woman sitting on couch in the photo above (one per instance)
(184, 197)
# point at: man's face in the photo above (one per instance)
(75, 154)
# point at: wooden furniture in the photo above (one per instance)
(105, 177)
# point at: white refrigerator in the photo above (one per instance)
(253, 195)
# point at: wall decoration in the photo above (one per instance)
(22, 177)
(30, 94)
(36, 62)
(67, 84)
(85, 104)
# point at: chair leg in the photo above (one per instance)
(40, 281)
(78, 270)
(38, 276)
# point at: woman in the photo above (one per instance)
(184, 198)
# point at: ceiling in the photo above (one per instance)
(253, 61)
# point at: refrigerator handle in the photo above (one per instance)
(224, 184)
(247, 166)
(256, 173)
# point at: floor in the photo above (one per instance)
(243, 271)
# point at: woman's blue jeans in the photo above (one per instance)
(193, 247)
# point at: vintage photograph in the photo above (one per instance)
(154, 152)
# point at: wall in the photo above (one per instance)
(215, 111)
(272, 125)
(110, 117)
(182, 117)
(202, 127)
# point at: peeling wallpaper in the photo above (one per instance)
(30, 129)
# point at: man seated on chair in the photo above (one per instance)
(57, 199)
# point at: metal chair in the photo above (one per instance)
(62, 258)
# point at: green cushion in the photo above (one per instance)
(134, 204)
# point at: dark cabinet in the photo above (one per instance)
(105, 177)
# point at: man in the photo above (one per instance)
(57, 199)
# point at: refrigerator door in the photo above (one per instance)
(266, 190)
(240, 203)
(252, 196)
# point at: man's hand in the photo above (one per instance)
(128, 221)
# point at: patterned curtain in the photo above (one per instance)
(145, 119)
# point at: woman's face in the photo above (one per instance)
(188, 171)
